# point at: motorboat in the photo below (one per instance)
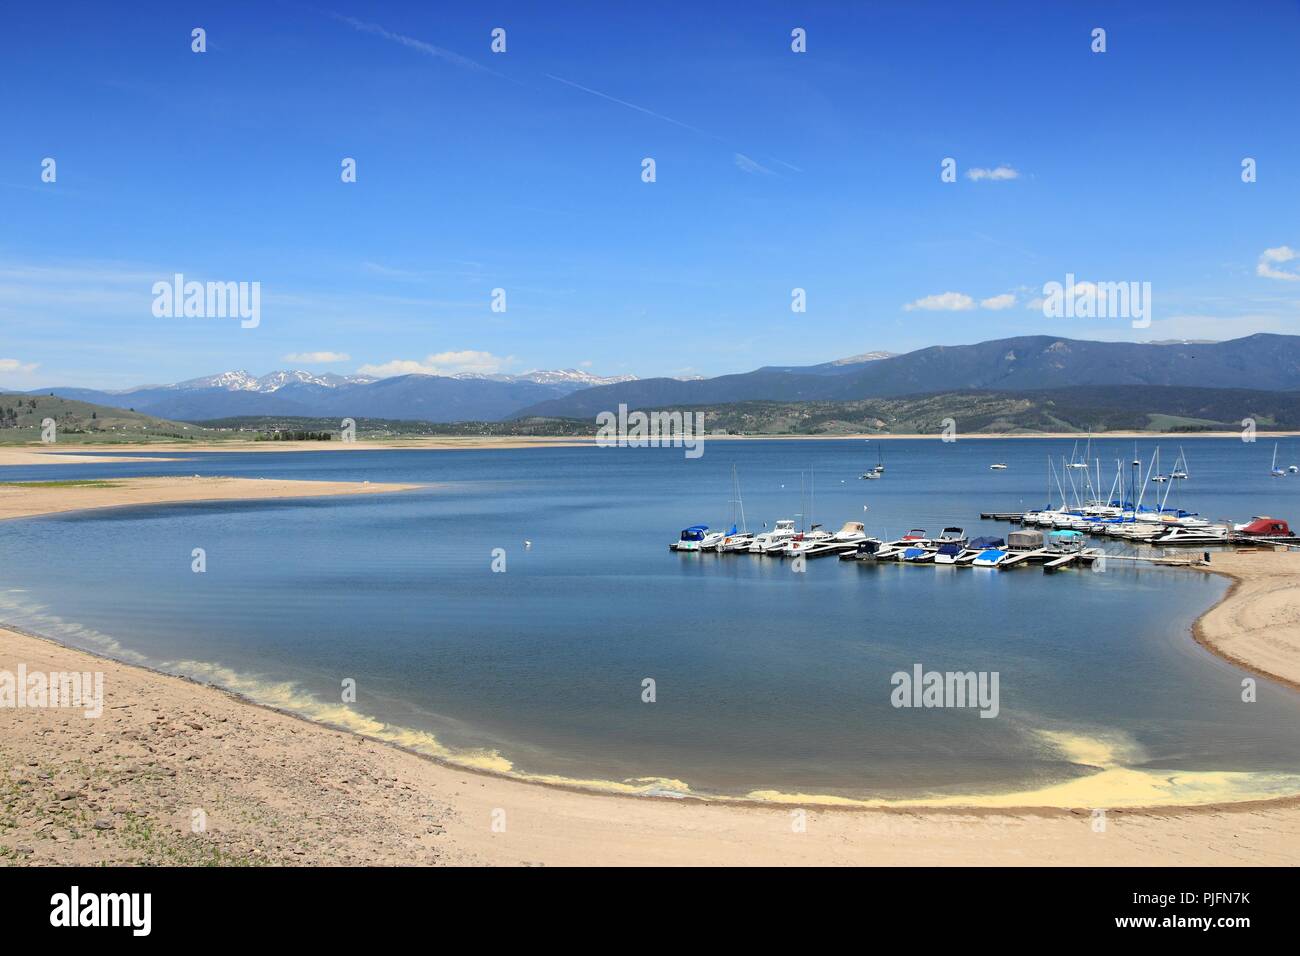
(948, 553)
(697, 537)
(955, 536)
(844, 541)
(770, 542)
(1065, 542)
(918, 555)
(863, 551)
(735, 540)
(1024, 540)
(805, 541)
(989, 558)
(999, 466)
(1266, 529)
(1177, 535)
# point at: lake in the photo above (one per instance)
(767, 682)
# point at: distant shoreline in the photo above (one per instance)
(70, 454)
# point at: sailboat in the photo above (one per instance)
(1275, 471)
(1087, 451)
(815, 535)
(877, 470)
(736, 539)
(1180, 472)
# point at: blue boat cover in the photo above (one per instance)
(949, 549)
(990, 542)
(992, 554)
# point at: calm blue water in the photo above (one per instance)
(765, 678)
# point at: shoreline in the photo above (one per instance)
(666, 815)
(129, 452)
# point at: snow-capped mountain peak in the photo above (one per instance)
(570, 376)
(241, 381)
(565, 376)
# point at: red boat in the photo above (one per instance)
(1265, 529)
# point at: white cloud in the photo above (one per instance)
(944, 302)
(441, 363)
(317, 357)
(9, 366)
(1270, 258)
(996, 302)
(997, 174)
(745, 164)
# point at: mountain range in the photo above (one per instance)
(1026, 363)
(435, 398)
(1032, 362)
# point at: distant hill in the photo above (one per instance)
(1268, 362)
(267, 427)
(21, 416)
(1077, 409)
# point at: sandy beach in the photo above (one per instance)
(21, 500)
(271, 788)
(175, 772)
(1257, 625)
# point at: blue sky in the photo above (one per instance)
(522, 171)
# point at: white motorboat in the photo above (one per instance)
(697, 537)
(1179, 535)
(990, 558)
(735, 541)
(805, 541)
(770, 542)
(955, 536)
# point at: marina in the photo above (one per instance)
(1072, 530)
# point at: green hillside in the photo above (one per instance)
(21, 417)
